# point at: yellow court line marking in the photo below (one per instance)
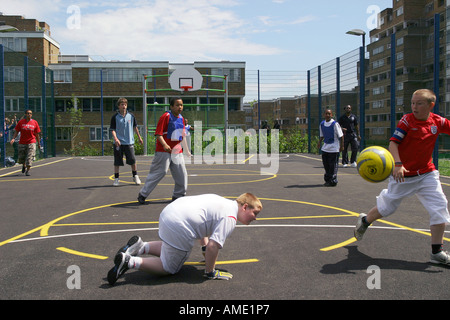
(272, 176)
(339, 245)
(354, 214)
(103, 224)
(244, 161)
(83, 254)
(202, 263)
(44, 228)
(59, 178)
(37, 166)
(301, 156)
(305, 217)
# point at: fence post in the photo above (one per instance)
(44, 112)
(309, 109)
(2, 106)
(393, 76)
(436, 83)
(338, 88)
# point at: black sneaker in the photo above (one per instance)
(27, 173)
(121, 266)
(141, 199)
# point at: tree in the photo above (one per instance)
(74, 118)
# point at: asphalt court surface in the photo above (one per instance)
(67, 219)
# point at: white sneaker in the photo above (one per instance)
(137, 180)
(354, 165)
(345, 165)
(440, 258)
(116, 182)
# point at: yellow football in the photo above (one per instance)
(375, 164)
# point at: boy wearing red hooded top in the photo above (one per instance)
(412, 146)
(169, 133)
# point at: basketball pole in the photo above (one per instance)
(144, 108)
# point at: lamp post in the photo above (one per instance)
(359, 32)
(362, 89)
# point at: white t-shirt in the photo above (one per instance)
(195, 217)
(332, 147)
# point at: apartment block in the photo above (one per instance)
(406, 29)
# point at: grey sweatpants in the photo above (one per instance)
(162, 162)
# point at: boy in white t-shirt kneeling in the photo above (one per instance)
(181, 223)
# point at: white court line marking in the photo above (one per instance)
(238, 226)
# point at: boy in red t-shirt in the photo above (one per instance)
(412, 146)
(169, 133)
(29, 134)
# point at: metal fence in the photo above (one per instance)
(25, 84)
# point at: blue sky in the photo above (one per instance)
(266, 34)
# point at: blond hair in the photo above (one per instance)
(250, 199)
(427, 94)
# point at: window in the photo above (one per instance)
(63, 105)
(378, 50)
(213, 103)
(377, 90)
(91, 104)
(234, 75)
(16, 44)
(119, 74)
(377, 131)
(377, 104)
(378, 63)
(62, 76)
(95, 134)
(12, 104)
(13, 74)
(63, 134)
(35, 104)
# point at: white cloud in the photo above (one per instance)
(177, 30)
(304, 19)
(30, 9)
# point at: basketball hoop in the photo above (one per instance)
(186, 88)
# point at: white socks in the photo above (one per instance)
(134, 263)
(145, 249)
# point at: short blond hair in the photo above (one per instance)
(429, 95)
(250, 199)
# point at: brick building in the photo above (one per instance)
(88, 85)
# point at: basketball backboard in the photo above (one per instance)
(185, 79)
